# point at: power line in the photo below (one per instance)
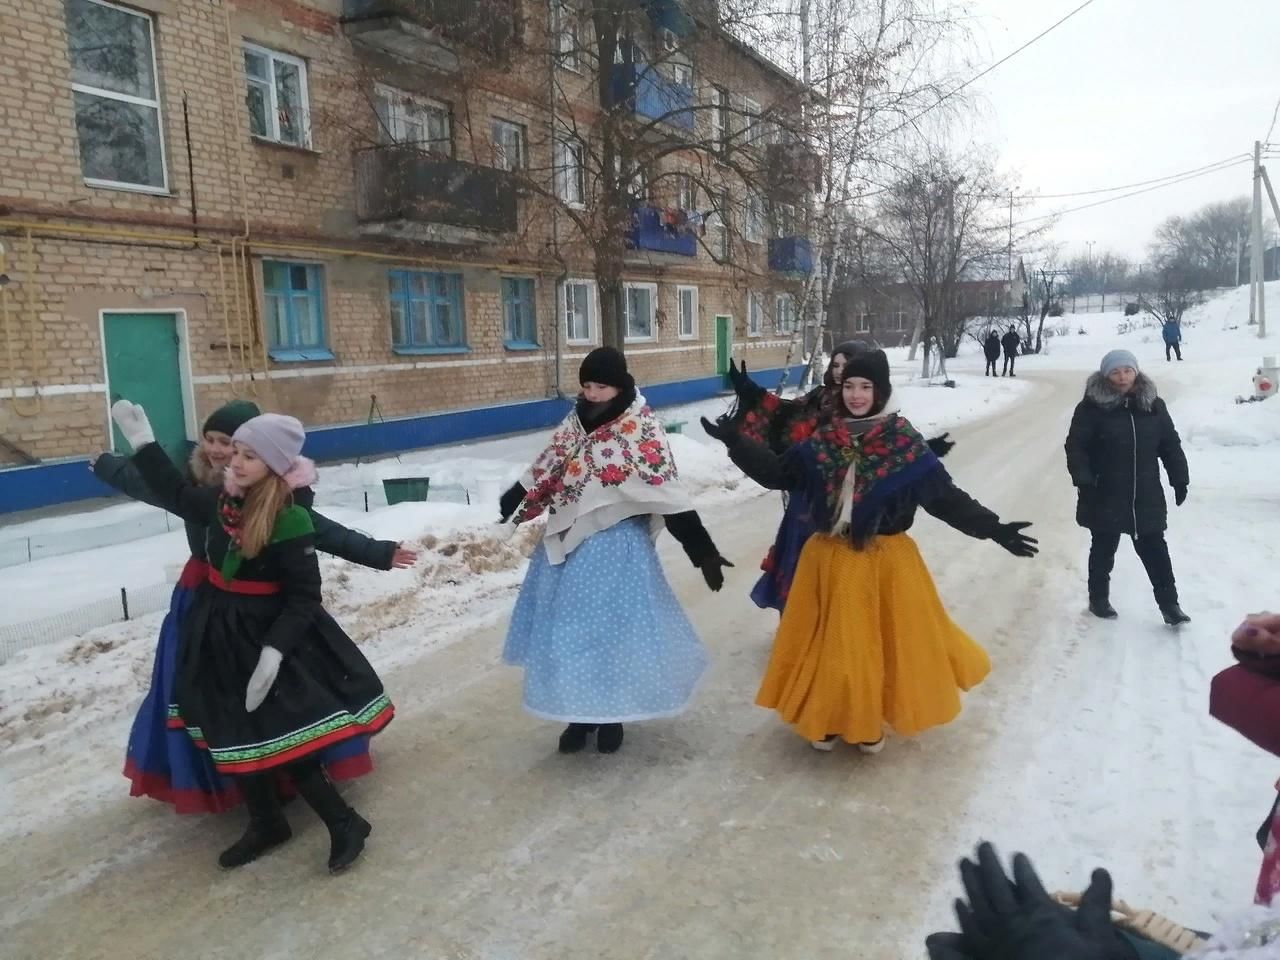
(976, 77)
(1207, 168)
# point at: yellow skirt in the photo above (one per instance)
(864, 642)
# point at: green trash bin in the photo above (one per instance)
(406, 489)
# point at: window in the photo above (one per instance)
(567, 38)
(687, 305)
(276, 96)
(784, 313)
(900, 320)
(755, 315)
(508, 145)
(117, 106)
(785, 220)
(717, 229)
(686, 192)
(863, 323)
(579, 310)
(570, 185)
(413, 121)
(636, 185)
(753, 128)
(721, 121)
(753, 219)
(426, 311)
(680, 72)
(519, 321)
(294, 296)
(638, 302)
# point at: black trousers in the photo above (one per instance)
(991, 369)
(1175, 347)
(262, 797)
(1008, 364)
(1152, 550)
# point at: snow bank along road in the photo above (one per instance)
(718, 834)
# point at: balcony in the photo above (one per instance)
(662, 231)
(427, 32)
(791, 255)
(793, 171)
(405, 193)
(651, 95)
(670, 15)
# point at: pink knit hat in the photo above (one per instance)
(277, 440)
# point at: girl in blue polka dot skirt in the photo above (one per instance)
(600, 635)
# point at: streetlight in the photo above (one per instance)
(1089, 244)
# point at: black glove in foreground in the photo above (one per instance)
(1011, 537)
(713, 572)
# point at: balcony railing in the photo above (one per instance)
(791, 255)
(662, 231)
(405, 191)
(426, 30)
(650, 94)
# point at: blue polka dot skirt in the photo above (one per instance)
(601, 637)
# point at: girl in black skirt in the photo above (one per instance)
(266, 678)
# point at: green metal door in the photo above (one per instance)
(143, 366)
(724, 343)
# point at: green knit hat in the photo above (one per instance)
(229, 417)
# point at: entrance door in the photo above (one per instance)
(724, 343)
(142, 351)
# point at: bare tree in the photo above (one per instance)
(1207, 242)
(1173, 286)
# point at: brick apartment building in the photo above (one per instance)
(315, 203)
(889, 313)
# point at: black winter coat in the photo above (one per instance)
(1011, 341)
(991, 347)
(1114, 447)
(332, 538)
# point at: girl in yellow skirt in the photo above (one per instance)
(864, 641)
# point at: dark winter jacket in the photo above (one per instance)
(1172, 332)
(938, 495)
(333, 538)
(992, 347)
(1114, 447)
(1011, 341)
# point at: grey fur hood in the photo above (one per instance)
(1098, 390)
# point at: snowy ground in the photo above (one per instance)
(1089, 744)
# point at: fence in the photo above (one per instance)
(126, 605)
(18, 550)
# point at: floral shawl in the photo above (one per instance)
(587, 482)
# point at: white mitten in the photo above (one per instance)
(133, 423)
(264, 675)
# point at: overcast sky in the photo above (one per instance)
(1127, 91)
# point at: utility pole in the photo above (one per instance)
(1009, 282)
(1239, 255)
(1258, 289)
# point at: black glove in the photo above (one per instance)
(941, 446)
(1018, 920)
(1011, 537)
(720, 430)
(713, 572)
(738, 375)
(1180, 495)
(510, 501)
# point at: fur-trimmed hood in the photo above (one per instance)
(302, 474)
(202, 471)
(1098, 390)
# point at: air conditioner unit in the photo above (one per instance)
(669, 40)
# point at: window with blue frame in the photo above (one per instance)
(426, 311)
(519, 321)
(294, 298)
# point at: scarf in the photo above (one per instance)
(586, 482)
(868, 469)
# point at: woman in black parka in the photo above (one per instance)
(1119, 433)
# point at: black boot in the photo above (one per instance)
(1173, 614)
(574, 737)
(609, 739)
(267, 826)
(1101, 607)
(347, 829)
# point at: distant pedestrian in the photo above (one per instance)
(1120, 433)
(991, 347)
(1011, 342)
(1172, 339)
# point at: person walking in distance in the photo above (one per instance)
(1011, 342)
(1121, 431)
(991, 347)
(1172, 333)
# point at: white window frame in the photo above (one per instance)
(755, 314)
(568, 29)
(398, 106)
(792, 324)
(273, 113)
(563, 170)
(680, 71)
(681, 315)
(721, 123)
(753, 127)
(753, 218)
(863, 322)
(501, 160)
(593, 310)
(686, 192)
(137, 101)
(627, 287)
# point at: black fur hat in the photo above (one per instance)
(607, 366)
(874, 366)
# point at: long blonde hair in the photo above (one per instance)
(262, 505)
